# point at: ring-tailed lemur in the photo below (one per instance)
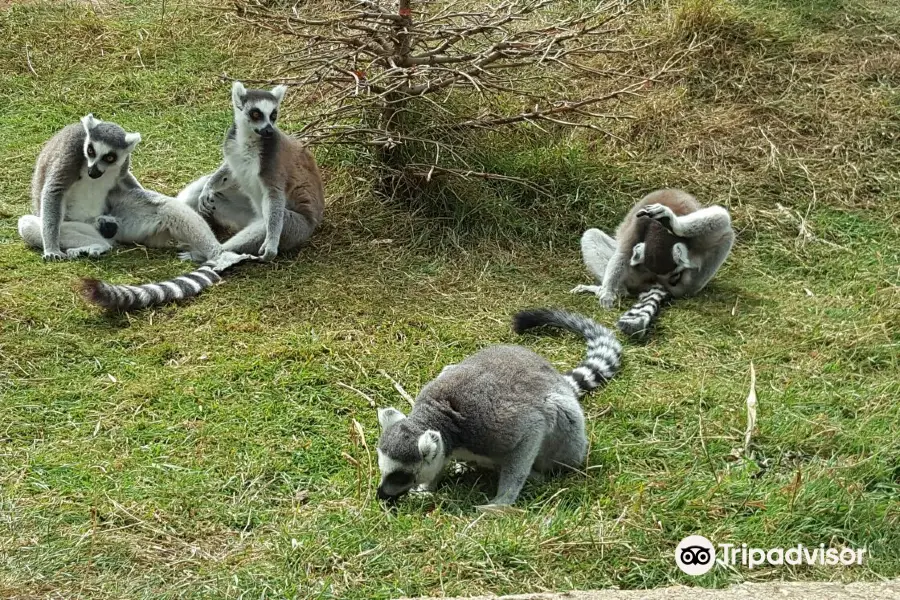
(85, 198)
(667, 238)
(268, 189)
(74, 174)
(505, 407)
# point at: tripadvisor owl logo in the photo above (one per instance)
(695, 555)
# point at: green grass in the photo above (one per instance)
(209, 449)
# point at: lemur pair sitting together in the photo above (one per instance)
(267, 192)
(504, 407)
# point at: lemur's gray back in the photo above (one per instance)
(64, 152)
(491, 400)
(482, 404)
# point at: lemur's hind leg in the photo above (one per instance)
(227, 210)
(596, 250)
(82, 239)
(233, 210)
(189, 229)
(190, 195)
(565, 448)
(30, 231)
(75, 238)
(153, 219)
(296, 230)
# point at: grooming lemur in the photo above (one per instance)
(268, 189)
(505, 407)
(667, 239)
(84, 198)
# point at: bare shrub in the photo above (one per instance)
(417, 82)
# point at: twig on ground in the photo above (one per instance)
(751, 411)
(28, 60)
(363, 394)
(399, 388)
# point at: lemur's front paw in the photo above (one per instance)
(206, 203)
(188, 256)
(607, 299)
(585, 289)
(658, 212)
(53, 255)
(107, 226)
(94, 250)
(424, 489)
(268, 251)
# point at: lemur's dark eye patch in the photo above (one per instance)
(674, 279)
(91, 152)
(273, 116)
(256, 114)
(399, 478)
(110, 158)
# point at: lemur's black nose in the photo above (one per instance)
(266, 131)
(94, 172)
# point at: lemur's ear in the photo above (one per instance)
(132, 140)
(89, 122)
(238, 93)
(430, 445)
(681, 256)
(278, 91)
(637, 254)
(389, 416)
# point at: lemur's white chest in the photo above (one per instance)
(243, 162)
(85, 200)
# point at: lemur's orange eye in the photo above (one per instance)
(256, 114)
(91, 151)
(110, 158)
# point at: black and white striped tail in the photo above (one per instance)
(604, 352)
(134, 297)
(639, 318)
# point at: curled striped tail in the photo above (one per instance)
(124, 298)
(640, 317)
(604, 352)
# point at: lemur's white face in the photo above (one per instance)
(680, 278)
(106, 146)
(406, 458)
(256, 110)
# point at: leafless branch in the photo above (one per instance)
(424, 77)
